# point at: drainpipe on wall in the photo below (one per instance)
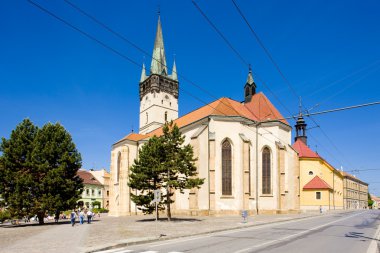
(334, 189)
(208, 165)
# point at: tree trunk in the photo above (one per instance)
(168, 205)
(41, 216)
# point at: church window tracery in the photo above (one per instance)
(118, 167)
(266, 171)
(226, 168)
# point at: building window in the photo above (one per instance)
(166, 116)
(93, 192)
(318, 195)
(266, 172)
(226, 168)
(87, 192)
(146, 118)
(247, 91)
(108, 193)
(100, 192)
(311, 173)
(118, 167)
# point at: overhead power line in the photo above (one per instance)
(137, 64)
(283, 76)
(338, 109)
(133, 61)
(265, 49)
(238, 54)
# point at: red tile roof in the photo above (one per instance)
(317, 183)
(345, 174)
(87, 177)
(303, 150)
(258, 109)
(263, 109)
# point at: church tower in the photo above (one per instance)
(249, 87)
(301, 129)
(158, 90)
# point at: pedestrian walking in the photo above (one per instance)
(56, 216)
(320, 209)
(89, 216)
(73, 215)
(81, 217)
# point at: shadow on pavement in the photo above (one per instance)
(359, 235)
(172, 220)
(33, 224)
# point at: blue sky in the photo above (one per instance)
(328, 50)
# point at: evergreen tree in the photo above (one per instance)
(165, 164)
(39, 170)
(147, 175)
(16, 182)
(179, 163)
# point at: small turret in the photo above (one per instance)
(301, 127)
(143, 74)
(249, 87)
(174, 75)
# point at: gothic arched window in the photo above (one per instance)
(118, 167)
(166, 116)
(266, 172)
(226, 168)
(146, 118)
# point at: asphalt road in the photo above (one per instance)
(354, 232)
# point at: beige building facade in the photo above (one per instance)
(243, 150)
(355, 192)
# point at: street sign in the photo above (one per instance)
(157, 196)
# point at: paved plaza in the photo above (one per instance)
(106, 232)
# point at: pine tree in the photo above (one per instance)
(179, 162)
(16, 182)
(39, 170)
(147, 175)
(164, 164)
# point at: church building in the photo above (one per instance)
(243, 148)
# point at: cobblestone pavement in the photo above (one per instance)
(106, 232)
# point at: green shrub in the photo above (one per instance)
(100, 210)
(4, 215)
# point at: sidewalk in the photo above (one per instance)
(108, 232)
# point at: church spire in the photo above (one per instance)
(250, 78)
(301, 126)
(143, 74)
(174, 75)
(158, 65)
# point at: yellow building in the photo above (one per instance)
(321, 185)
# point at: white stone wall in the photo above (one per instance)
(153, 107)
(224, 129)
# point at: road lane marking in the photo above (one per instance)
(119, 250)
(373, 246)
(295, 235)
(258, 226)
